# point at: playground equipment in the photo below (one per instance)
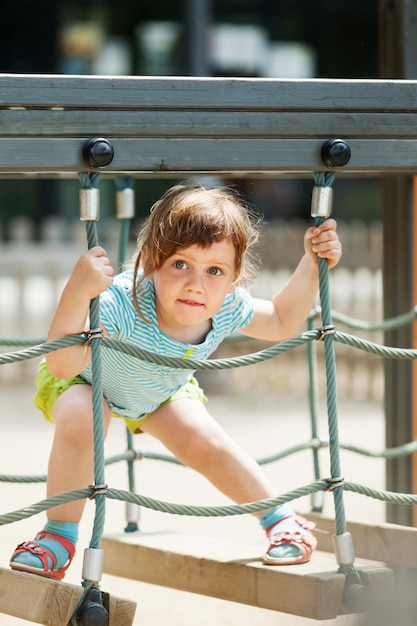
(126, 128)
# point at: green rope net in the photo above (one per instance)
(31, 348)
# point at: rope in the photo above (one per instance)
(99, 491)
(211, 364)
(163, 506)
(352, 323)
(389, 324)
(314, 444)
(97, 387)
(204, 511)
(326, 179)
(313, 403)
(87, 181)
(121, 185)
(389, 352)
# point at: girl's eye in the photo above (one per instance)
(180, 265)
(214, 271)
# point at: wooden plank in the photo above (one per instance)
(227, 571)
(390, 543)
(219, 93)
(174, 126)
(213, 123)
(184, 155)
(44, 601)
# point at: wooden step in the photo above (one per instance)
(232, 572)
(391, 543)
(45, 601)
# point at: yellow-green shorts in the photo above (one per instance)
(49, 388)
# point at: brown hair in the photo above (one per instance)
(193, 214)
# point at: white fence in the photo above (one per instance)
(32, 276)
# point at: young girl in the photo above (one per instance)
(184, 295)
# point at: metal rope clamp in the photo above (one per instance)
(89, 204)
(98, 490)
(321, 201)
(125, 203)
(325, 331)
(93, 333)
(334, 483)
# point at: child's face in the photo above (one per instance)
(192, 284)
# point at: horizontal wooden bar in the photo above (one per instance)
(393, 544)
(175, 126)
(232, 572)
(187, 156)
(194, 123)
(45, 601)
(47, 91)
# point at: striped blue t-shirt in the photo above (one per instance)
(133, 388)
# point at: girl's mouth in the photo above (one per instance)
(191, 303)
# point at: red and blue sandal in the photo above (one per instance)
(294, 540)
(44, 553)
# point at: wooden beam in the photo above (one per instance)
(44, 601)
(171, 126)
(106, 92)
(227, 571)
(390, 543)
(142, 122)
(173, 156)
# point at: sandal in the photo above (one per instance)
(300, 538)
(43, 553)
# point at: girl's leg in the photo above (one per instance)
(71, 464)
(186, 428)
(71, 461)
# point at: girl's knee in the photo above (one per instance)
(73, 414)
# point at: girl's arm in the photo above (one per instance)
(283, 315)
(91, 276)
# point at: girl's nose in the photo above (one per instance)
(194, 283)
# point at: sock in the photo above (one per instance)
(275, 515)
(68, 530)
(270, 519)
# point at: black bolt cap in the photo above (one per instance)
(98, 152)
(335, 153)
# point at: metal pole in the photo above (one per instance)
(197, 20)
(398, 60)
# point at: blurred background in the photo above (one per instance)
(262, 38)
(40, 233)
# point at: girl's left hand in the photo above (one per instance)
(323, 241)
